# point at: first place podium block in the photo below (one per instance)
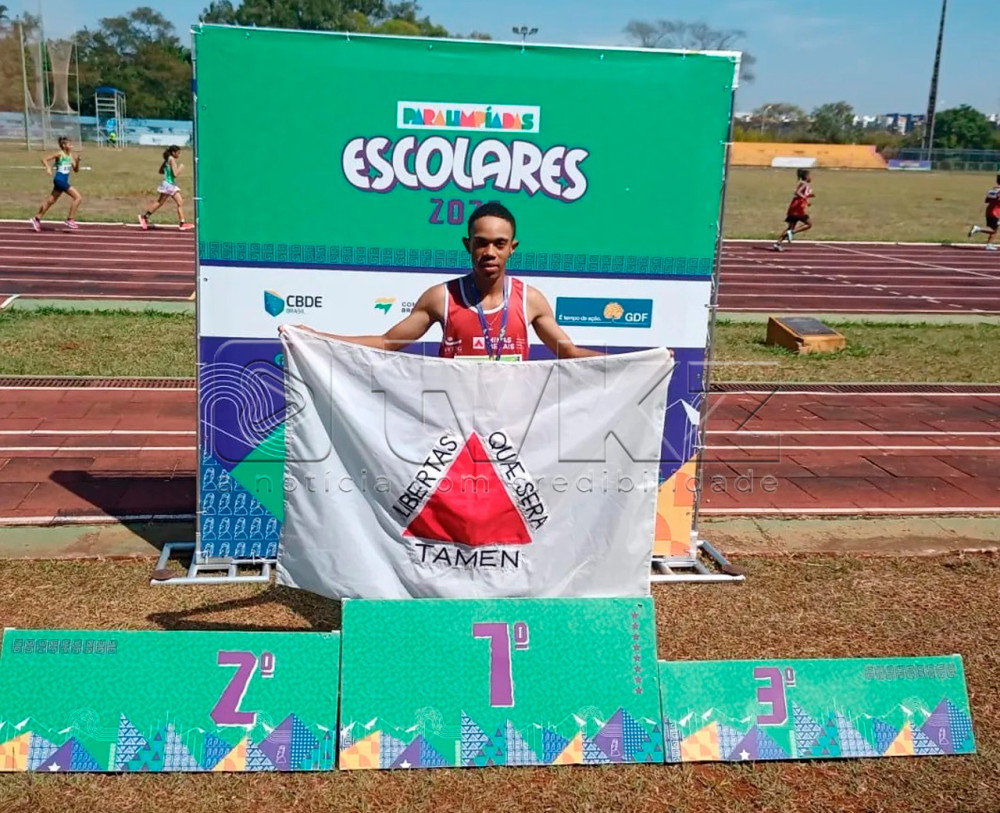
(440, 683)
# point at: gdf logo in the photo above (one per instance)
(276, 304)
(642, 317)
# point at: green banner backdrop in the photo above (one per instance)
(350, 141)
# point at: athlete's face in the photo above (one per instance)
(490, 244)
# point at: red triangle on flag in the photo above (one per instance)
(470, 505)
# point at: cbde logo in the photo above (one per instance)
(276, 304)
(594, 312)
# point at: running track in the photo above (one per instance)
(77, 454)
(100, 262)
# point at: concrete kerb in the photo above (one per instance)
(866, 536)
(739, 536)
(867, 318)
(21, 303)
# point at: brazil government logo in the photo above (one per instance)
(597, 312)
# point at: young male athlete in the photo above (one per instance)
(485, 314)
(992, 217)
(797, 219)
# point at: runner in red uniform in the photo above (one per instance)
(485, 314)
(992, 217)
(463, 332)
(796, 219)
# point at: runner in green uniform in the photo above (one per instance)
(169, 169)
(59, 165)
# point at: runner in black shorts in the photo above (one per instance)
(992, 217)
(797, 210)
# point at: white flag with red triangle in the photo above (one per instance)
(412, 476)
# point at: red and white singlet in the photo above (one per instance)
(463, 331)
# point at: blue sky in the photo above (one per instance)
(875, 54)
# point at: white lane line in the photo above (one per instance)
(851, 511)
(138, 297)
(85, 432)
(756, 282)
(186, 284)
(907, 394)
(776, 295)
(790, 449)
(724, 309)
(936, 266)
(851, 432)
(97, 389)
(763, 393)
(52, 254)
(75, 243)
(98, 448)
(793, 448)
(94, 519)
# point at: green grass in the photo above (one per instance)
(860, 204)
(108, 343)
(875, 352)
(849, 205)
(120, 343)
(789, 607)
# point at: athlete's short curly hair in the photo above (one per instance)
(493, 209)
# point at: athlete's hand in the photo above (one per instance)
(283, 329)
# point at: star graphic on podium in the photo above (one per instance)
(405, 764)
(744, 754)
(54, 767)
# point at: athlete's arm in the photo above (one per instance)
(428, 310)
(543, 320)
(76, 162)
(175, 166)
(47, 159)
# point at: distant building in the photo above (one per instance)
(902, 123)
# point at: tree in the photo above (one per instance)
(963, 127)
(776, 114)
(832, 123)
(372, 16)
(689, 36)
(308, 15)
(140, 54)
(401, 20)
(11, 83)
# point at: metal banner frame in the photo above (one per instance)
(693, 560)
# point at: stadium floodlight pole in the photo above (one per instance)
(932, 100)
(24, 74)
(525, 32)
(763, 115)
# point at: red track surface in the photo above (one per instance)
(99, 453)
(96, 262)
(115, 261)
